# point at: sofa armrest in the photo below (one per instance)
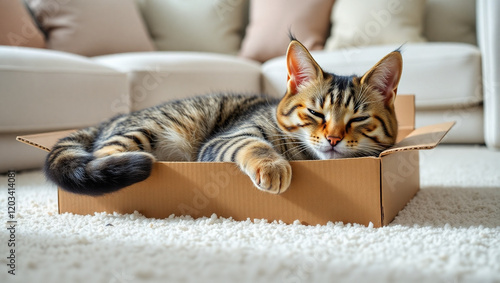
(488, 22)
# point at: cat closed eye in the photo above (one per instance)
(359, 119)
(317, 114)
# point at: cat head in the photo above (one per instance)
(340, 116)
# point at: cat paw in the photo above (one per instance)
(272, 176)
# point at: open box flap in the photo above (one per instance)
(405, 114)
(427, 137)
(44, 141)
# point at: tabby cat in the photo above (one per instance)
(321, 116)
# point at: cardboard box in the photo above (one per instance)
(355, 190)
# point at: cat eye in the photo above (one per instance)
(359, 119)
(317, 114)
(355, 120)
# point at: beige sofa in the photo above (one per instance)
(70, 83)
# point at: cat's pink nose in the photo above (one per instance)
(333, 140)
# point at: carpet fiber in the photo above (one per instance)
(449, 233)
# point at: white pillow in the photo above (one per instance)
(374, 22)
(196, 25)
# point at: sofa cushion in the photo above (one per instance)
(271, 21)
(469, 122)
(451, 21)
(362, 23)
(92, 27)
(161, 76)
(441, 75)
(17, 27)
(45, 90)
(195, 25)
(18, 156)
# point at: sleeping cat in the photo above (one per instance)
(321, 116)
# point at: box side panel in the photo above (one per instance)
(321, 191)
(404, 106)
(400, 182)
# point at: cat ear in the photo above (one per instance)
(301, 67)
(385, 75)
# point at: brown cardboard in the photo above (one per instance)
(355, 190)
(427, 137)
(405, 114)
(44, 141)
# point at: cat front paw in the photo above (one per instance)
(272, 176)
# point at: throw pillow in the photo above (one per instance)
(362, 23)
(452, 21)
(17, 27)
(196, 25)
(92, 27)
(270, 22)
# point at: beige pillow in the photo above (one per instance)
(373, 22)
(451, 21)
(196, 25)
(270, 22)
(92, 27)
(17, 27)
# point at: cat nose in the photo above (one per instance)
(333, 140)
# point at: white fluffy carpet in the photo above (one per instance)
(449, 233)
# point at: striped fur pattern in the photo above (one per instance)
(321, 116)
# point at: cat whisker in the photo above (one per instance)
(300, 149)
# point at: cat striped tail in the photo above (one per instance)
(72, 166)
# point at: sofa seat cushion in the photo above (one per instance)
(441, 75)
(161, 76)
(469, 123)
(45, 90)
